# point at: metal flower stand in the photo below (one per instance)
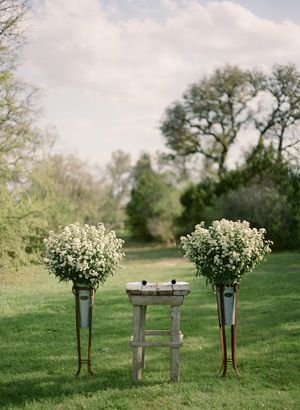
(227, 315)
(84, 299)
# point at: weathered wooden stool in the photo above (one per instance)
(140, 296)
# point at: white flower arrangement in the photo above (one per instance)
(225, 251)
(84, 254)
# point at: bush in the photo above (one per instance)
(198, 205)
(263, 206)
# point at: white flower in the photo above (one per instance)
(225, 251)
(80, 253)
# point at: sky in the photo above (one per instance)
(107, 70)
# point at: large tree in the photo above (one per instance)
(20, 136)
(12, 16)
(277, 118)
(214, 111)
(210, 115)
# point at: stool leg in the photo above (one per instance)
(175, 332)
(142, 333)
(136, 351)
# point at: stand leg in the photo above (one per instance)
(233, 331)
(221, 313)
(80, 360)
(175, 337)
(78, 330)
(136, 350)
(224, 350)
(233, 348)
(90, 333)
(222, 331)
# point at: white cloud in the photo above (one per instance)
(169, 5)
(108, 81)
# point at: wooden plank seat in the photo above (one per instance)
(140, 296)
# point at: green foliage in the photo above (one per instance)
(21, 139)
(59, 190)
(263, 205)
(62, 190)
(197, 201)
(265, 191)
(118, 175)
(260, 164)
(12, 227)
(154, 204)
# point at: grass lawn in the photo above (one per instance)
(38, 341)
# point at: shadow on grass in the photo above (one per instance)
(42, 388)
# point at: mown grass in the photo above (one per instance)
(38, 341)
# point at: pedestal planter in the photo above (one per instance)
(227, 315)
(86, 255)
(228, 297)
(84, 301)
(224, 253)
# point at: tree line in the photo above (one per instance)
(160, 196)
(211, 118)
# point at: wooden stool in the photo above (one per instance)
(140, 296)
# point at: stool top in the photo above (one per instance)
(158, 289)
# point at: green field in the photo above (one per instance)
(38, 341)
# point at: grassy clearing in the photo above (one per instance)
(38, 350)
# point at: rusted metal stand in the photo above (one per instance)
(78, 327)
(219, 288)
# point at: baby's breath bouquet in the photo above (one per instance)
(84, 254)
(225, 251)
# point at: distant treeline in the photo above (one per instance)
(161, 196)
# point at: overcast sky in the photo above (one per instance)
(108, 69)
